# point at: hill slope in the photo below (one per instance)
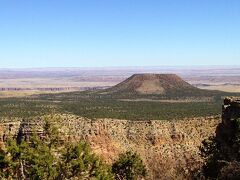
(168, 148)
(156, 85)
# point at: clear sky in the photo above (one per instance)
(96, 33)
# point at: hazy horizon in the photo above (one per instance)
(127, 67)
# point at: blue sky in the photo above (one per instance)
(97, 33)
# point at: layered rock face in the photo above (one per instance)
(168, 148)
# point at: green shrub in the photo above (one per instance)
(41, 158)
(129, 166)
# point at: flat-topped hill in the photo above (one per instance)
(158, 85)
(151, 84)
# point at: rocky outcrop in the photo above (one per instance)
(169, 148)
(20, 128)
(230, 110)
(228, 131)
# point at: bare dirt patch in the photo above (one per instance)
(150, 87)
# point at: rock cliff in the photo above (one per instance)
(169, 148)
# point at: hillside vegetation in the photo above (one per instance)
(104, 108)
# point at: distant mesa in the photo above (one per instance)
(150, 84)
(160, 85)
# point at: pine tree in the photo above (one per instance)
(47, 158)
(78, 161)
(129, 166)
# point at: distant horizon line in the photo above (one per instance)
(120, 67)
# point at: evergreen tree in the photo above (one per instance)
(129, 166)
(78, 161)
(5, 168)
(47, 158)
